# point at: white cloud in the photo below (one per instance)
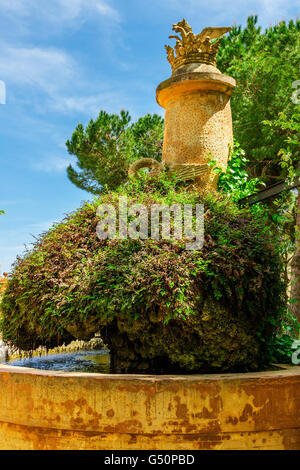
(45, 68)
(86, 104)
(70, 10)
(15, 6)
(29, 71)
(50, 71)
(273, 11)
(106, 10)
(39, 227)
(51, 164)
(83, 7)
(60, 10)
(199, 13)
(90, 105)
(55, 74)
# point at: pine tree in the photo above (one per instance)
(265, 65)
(106, 147)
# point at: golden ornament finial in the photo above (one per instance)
(192, 48)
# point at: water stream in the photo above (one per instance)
(79, 361)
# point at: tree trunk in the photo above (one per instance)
(295, 268)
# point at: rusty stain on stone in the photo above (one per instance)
(181, 409)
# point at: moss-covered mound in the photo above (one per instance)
(158, 306)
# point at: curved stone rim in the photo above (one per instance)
(49, 410)
(191, 82)
(284, 371)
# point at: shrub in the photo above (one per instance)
(158, 306)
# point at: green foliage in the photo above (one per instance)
(290, 152)
(235, 181)
(281, 346)
(265, 64)
(284, 209)
(107, 146)
(280, 213)
(157, 305)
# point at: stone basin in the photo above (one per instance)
(42, 409)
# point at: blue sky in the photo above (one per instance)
(64, 60)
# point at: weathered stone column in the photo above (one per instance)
(197, 103)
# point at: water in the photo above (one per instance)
(79, 361)
(97, 361)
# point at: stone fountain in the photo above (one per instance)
(257, 410)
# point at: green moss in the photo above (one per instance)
(157, 305)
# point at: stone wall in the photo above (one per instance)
(57, 410)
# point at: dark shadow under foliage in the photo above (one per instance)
(158, 306)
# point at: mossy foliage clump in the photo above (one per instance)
(158, 306)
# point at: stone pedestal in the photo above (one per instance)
(198, 118)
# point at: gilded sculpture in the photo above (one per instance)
(193, 48)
